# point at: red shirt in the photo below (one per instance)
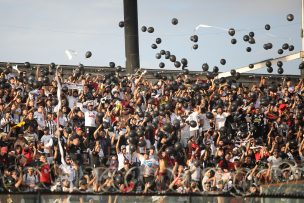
(45, 176)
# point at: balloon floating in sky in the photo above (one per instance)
(290, 17)
(205, 67)
(280, 70)
(248, 49)
(161, 65)
(162, 52)
(184, 61)
(27, 64)
(267, 46)
(280, 51)
(285, 46)
(246, 38)
(215, 69)
(233, 41)
(150, 29)
(121, 24)
(143, 28)
(158, 55)
(251, 34)
(195, 46)
(112, 64)
(177, 64)
(251, 66)
(268, 63)
(291, 48)
(158, 40)
(231, 32)
(233, 72)
(167, 55)
(154, 46)
(279, 63)
(301, 66)
(267, 27)
(223, 61)
(269, 69)
(194, 38)
(251, 40)
(172, 58)
(174, 21)
(88, 54)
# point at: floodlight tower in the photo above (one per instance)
(131, 35)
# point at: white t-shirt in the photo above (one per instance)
(206, 125)
(121, 159)
(46, 139)
(220, 120)
(40, 119)
(90, 118)
(275, 162)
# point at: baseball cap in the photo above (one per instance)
(123, 147)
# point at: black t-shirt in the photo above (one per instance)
(32, 123)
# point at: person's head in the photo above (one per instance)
(276, 153)
(40, 109)
(126, 164)
(75, 93)
(42, 159)
(31, 115)
(30, 170)
(7, 115)
(219, 110)
(123, 149)
(68, 160)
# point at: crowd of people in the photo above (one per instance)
(115, 133)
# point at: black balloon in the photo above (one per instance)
(112, 64)
(215, 69)
(251, 40)
(121, 24)
(268, 63)
(280, 70)
(205, 67)
(209, 115)
(237, 75)
(144, 28)
(169, 150)
(290, 17)
(248, 49)
(193, 123)
(251, 34)
(246, 38)
(161, 65)
(158, 55)
(269, 69)
(52, 65)
(154, 46)
(291, 48)
(174, 21)
(150, 29)
(195, 46)
(177, 64)
(267, 27)
(231, 32)
(223, 61)
(285, 46)
(27, 64)
(88, 54)
(210, 75)
(162, 52)
(222, 80)
(280, 51)
(172, 58)
(233, 41)
(158, 40)
(178, 146)
(301, 66)
(279, 63)
(195, 38)
(184, 61)
(233, 72)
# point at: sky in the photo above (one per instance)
(40, 31)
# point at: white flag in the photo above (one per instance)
(70, 53)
